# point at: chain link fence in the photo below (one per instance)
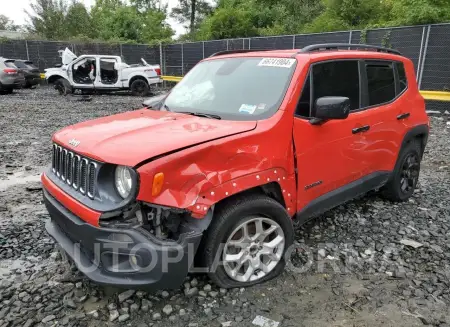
(427, 46)
(44, 54)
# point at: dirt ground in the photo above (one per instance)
(360, 274)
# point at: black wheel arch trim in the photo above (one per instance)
(419, 130)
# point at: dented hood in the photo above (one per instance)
(132, 137)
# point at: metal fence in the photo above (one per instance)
(428, 47)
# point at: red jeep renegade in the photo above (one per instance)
(245, 142)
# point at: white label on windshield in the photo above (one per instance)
(247, 108)
(277, 62)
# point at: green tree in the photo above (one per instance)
(414, 12)
(78, 21)
(115, 20)
(8, 24)
(192, 12)
(228, 23)
(347, 14)
(244, 18)
(47, 19)
(146, 5)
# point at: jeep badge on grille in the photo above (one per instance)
(74, 142)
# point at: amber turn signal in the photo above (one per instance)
(158, 182)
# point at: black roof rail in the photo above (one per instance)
(347, 46)
(237, 51)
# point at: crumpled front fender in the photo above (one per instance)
(196, 178)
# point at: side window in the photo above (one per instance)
(304, 104)
(380, 83)
(401, 77)
(337, 78)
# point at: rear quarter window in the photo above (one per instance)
(380, 82)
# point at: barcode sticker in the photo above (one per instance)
(277, 62)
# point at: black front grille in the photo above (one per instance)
(75, 170)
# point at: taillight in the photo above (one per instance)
(10, 71)
(158, 71)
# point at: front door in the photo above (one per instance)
(329, 155)
(82, 72)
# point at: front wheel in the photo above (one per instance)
(63, 86)
(249, 236)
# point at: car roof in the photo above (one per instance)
(313, 55)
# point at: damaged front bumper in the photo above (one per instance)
(121, 256)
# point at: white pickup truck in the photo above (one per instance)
(89, 73)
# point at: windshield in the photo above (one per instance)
(233, 88)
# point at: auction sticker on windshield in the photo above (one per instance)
(277, 62)
(247, 108)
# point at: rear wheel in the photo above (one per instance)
(139, 87)
(249, 236)
(63, 86)
(404, 179)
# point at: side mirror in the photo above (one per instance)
(327, 108)
(155, 102)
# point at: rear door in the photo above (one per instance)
(328, 155)
(383, 104)
(108, 74)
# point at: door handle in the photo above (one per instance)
(403, 116)
(360, 129)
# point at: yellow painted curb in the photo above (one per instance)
(172, 78)
(436, 95)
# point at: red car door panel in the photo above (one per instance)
(328, 156)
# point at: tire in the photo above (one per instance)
(6, 91)
(247, 210)
(140, 87)
(405, 176)
(63, 86)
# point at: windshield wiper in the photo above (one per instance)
(200, 114)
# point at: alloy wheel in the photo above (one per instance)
(409, 173)
(253, 249)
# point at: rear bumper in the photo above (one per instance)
(123, 257)
(154, 80)
(12, 82)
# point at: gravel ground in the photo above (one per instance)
(363, 271)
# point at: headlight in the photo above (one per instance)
(123, 181)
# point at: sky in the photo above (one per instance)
(16, 12)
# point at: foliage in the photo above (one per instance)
(78, 22)
(144, 21)
(47, 19)
(192, 12)
(8, 24)
(414, 12)
(275, 17)
(346, 14)
(140, 21)
(228, 23)
(244, 18)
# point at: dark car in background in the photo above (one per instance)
(11, 77)
(30, 71)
